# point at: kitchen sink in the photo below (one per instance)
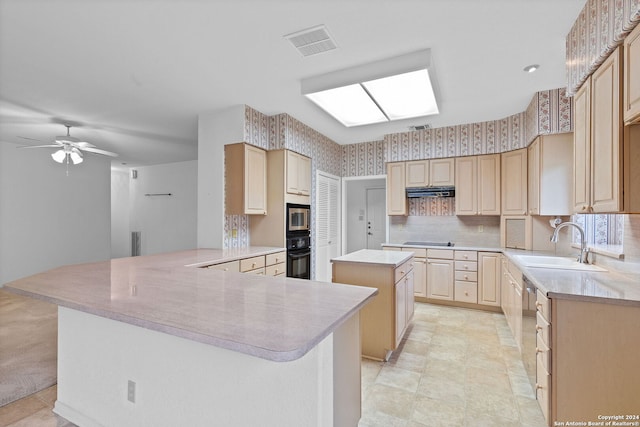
(563, 263)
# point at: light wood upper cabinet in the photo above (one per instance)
(417, 173)
(631, 92)
(441, 172)
(396, 197)
(514, 182)
(478, 185)
(605, 151)
(582, 148)
(245, 179)
(550, 179)
(430, 173)
(298, 169)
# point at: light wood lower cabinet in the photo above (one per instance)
(489, 278)
(587, 360)
(511, 298)
(440, 276)
(383, 321)
(466, 277)
(274, 264)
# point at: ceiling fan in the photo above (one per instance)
(71, 148)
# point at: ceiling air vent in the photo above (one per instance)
(312, 40)
(420, 127)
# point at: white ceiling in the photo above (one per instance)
(132, 76)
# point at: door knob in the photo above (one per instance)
(370, 234)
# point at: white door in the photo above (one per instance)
(376, 218)
(327, 224)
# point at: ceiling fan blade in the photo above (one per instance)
(41, 146)
(30, 139)
(83, 145)
(98, 151)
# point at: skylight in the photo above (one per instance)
(394, 89)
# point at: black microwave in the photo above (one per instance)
(298, 218)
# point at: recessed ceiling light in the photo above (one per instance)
(531, 68)
(393, 89)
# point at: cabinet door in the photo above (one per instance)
(304, 175)
(417, 173)
(631, 84)
(396, 197)
(489, 184)
(514, 182)
(420, 277)
(489, 278)
(410, 281)
(466, 172)
(401, 309)
(606, 136)
(533, 169)
(255, 187)
(582, 148)
(441, 172)
(298, 174)
(440, 279)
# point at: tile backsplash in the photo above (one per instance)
(462, 230)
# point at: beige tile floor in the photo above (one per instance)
(455, 367)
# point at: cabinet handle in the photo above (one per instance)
(466, 267)
(538, 304)
(466, 294)
(538, 328)
(253, 264)
(226, 269)
(538, 350)
(401, 272)
(466, 277)
(538, 386)
(524, 212)
(466, 257)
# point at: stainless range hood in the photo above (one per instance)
(431, 192)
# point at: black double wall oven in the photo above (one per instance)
(298, 241)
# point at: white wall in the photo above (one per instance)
(120, 212)
(49, 219)
(215, 129)
(166, 223)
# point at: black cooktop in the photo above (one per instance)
(429, 243)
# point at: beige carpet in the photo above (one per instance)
(28, 346)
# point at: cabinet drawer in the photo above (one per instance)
(466, 276)
(543, 305)
(391, 248)
(251, 263)
(403, 269)
(466, 292)
(226, 266)
(276, 258)
(417, 252)
(543, 379)
(276, 269)
(466, 266)
(543, 328)
(259, 271)
(440, 253)
(543, 351)
(466, 255)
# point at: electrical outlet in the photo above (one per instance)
(481, 229)
(131, 391)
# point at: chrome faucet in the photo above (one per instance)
(584, 251)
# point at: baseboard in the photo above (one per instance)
(71, 415)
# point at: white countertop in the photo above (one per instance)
(370, 256)
(275, 318)
(597, 286)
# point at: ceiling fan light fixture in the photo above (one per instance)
(59, 156)
(76, 158)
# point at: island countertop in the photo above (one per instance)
(370, 256)
(274, 318)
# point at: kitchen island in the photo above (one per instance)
(155, 340)
(385, 320)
